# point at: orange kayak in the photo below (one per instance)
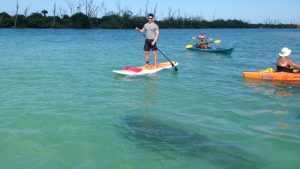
(284, 76)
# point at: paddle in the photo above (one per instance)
(213, 41)
(174, 67)
(189, 46)
(216, 41)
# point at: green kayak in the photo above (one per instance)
(213, 50)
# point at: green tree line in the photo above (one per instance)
(123, 20)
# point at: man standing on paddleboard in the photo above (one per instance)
(152, 32)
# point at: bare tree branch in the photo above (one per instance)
(162, 14)
(86, 7)
(92, 9)
(26, 10)
(178, 14)
(119, 7)
(103, 8)
(214, 15)
(154, 10)
(62, 12)
(54, 13)
(17, 10)
(140, 12)
(146, 9)
(79, 5)
(171, 14)
(71, 6)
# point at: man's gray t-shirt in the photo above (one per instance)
(150, 30)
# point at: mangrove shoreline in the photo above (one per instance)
(124, 20)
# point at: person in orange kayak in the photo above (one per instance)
(284, 64)
(203, 43)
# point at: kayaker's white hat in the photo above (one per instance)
(285, 52)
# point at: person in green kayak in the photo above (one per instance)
(284, 64)
(203, 43)
(152, 33)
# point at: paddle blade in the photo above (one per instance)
(174, 67)
(217, 41)
(189, 46)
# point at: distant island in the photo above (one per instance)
(123, 20)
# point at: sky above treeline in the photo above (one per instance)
(254, 11)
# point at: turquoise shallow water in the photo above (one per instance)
(61, 106)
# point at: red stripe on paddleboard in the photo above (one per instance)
(133, 69)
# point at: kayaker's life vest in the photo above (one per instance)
(205, 47)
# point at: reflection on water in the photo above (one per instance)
(149, 91)
(150, 133)
(279, 88)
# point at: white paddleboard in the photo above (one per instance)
(144, 70)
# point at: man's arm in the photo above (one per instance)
(140, 30)
(156, 37)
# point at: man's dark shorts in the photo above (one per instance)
(149, 46)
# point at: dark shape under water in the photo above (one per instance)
(160, 137)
